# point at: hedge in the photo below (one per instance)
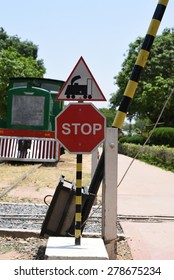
(160, 136)
(160, 156)
(135, 139)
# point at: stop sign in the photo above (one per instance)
(80, 128)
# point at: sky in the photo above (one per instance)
(98, 30)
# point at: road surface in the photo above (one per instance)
(149, 191)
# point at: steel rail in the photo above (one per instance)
(137, 218)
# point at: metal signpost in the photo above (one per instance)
(80, 128)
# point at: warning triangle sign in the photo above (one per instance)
(81, 85)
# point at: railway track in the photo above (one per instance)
(31, 216)
(121, 218)
(145, 219)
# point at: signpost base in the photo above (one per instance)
(63, 248)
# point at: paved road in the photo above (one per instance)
(147, 190)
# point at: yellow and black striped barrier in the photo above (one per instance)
(78, 214)
(140, 63)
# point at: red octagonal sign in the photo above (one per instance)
(80, 128)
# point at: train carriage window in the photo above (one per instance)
(20, 84)
(51, 87)
(28, 110)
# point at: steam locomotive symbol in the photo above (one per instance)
(80, 90)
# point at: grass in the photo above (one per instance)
(5, 249)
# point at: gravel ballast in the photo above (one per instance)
(29, 217)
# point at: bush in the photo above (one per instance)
(135, 139)
(163, 136)
(157, 155)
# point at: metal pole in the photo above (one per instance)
(78, 214)
(140, 63)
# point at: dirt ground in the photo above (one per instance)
(43, 181)
(33, 189)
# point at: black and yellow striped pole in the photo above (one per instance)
(78, 214)
(140, 63)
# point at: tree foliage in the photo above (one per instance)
(17, 59)
(24, 48)
(156, 81)
(109, 115)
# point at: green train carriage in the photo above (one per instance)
(29, 132)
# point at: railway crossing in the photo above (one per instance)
(128, 95)
(87, 88)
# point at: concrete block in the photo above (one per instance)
(64, 248)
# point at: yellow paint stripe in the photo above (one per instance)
(78, 183)
(78, 217)
(130, 88)
(142, 58)
(119, 119)
(79, 167)
(153, 27)
(78, 200)
(163, 2)
(77, 233)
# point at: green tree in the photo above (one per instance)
(25, 48)
(109, 114)
(17, 59)
(156, 81)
